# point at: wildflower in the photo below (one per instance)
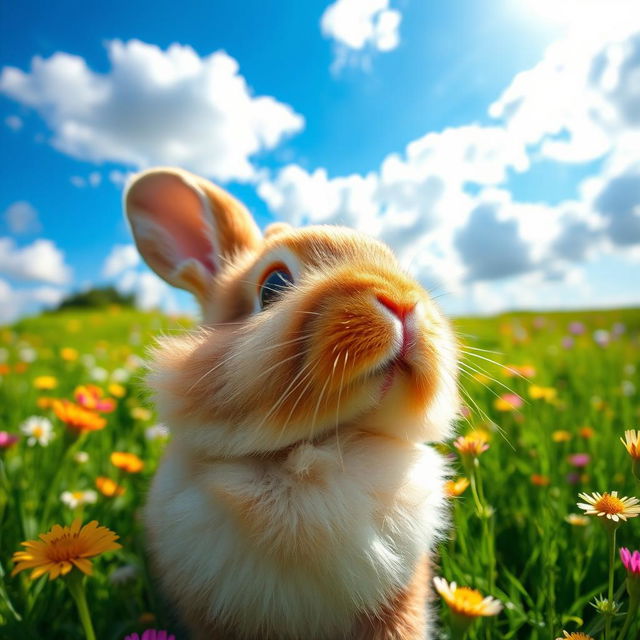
(508, 402)
(586, 432)
(38, 429)
(540, 480)
(140, 413)
(151, 634)
(73, 499)
(465, 602)
(455, 488)
(91, 397)
(120, 375)
(519, 370)
(601, 337)
(632, 443)
(627, 388)
(20, 367)
(470, 446)
(548, 394)
(575, 635)
(81, 457)
(561, 435)
(116, 390)
(45, 402)
(156, 432)
(27, 355)
(127, 461)
(107, 487)
(609, 505)
(45, 383)
(577, 520)
(576, 328)
(77, 418)
(64, 548)
(69, 354)
(4, 369)
(631, 561)
(7, 439)
(567, 342)
(579, 459)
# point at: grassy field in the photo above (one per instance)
(565, 384)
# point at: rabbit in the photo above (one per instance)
(296, 499)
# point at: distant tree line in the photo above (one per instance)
(96, 298)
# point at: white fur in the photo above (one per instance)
(350, 518)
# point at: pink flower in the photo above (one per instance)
(151, 634)
(631, 561)
(576, 328)
(7, 439)
(579, 459)
(567, 342)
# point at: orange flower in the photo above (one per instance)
(539, 480)
(631, 443)
(127, 461)
(586, 432)
(91, 397)
(455, 488)
(64, 548)
(520, 370)
(107, 487)
(77, 418)
(4, 369)
(45, 403)
(470, 446)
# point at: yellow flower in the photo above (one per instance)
(45, 383)
(609, 506)
(575, 635)
(117, 390)
(479, 434)
(77, 418)
(561, 435)
(69, 354)
(632, 443)
(127, 461)
(466, 602)
(576, 520)
(64, 548)
(455, 488)
(468, 446)
(520, 370)
(107, 487)
(140, 413)
(542, 393)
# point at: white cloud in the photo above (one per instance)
(14, 123)
(21, 217)
(121, 258)
(40, 261)
(93, 180)
(358, 27)
(150, 291)
(14, 302)
(154, 107)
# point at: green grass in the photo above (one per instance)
(545, 570)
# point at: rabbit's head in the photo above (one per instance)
(305, 332)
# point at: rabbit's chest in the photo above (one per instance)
(302, 547)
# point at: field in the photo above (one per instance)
(552, 413)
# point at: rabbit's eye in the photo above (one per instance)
(273, 285)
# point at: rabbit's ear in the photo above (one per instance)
(184, 226)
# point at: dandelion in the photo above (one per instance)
(7, 440)
(128, 462)
(548, 394)
(69, 354)
(64, 548)
(508, 402)
(76, 418)
(151, 634)
(561, 435)
(608, 505)
(141, 413)
(116, 390)
(577, 520)
(107, 487)
(39, 430)
(466, 604)
(45, 383)
(91, 397)
(575, 635)
(455, 488)
(74, 499)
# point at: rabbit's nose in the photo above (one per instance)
(399, 309)
(405, 312)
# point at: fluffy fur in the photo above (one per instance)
(296, 499)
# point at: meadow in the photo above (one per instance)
(547, 397)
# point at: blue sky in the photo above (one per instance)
(409, 119)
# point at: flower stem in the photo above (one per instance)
(631, 616)
(75, 582)
(612, 560)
